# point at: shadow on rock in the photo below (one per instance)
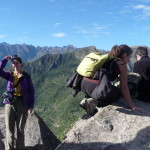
(50, 141)
(140, 142)
(1, 141)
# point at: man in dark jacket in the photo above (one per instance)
(142, 66)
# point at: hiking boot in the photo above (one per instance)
(82, 104)
(89, 105)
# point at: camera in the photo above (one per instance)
(8, 97)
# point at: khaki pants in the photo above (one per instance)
(15, 115)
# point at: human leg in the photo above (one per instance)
(20, 123)
(110, 97)
(10, 116)
(88, 103)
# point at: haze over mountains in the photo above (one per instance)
(51, 67)
(54, 103)
(30, 52)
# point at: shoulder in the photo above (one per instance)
(120, 62)
(122, 66)
(26, 75)
(136, 65)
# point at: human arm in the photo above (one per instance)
(124, 87)
(4, 62)
(4, 74)
(30, 91)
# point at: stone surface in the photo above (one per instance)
(114, 127)
(37, 135)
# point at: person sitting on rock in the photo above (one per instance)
(142, 66)
(99, 91)
(20, 104)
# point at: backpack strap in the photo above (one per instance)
(17, 82)
(114, 61)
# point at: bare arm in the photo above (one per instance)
(124, 87)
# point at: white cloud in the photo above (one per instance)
(93, 30)
(108, 13)
(146, 1)
(58, 34)
(2, 36)
(145, 11)
(57, 24)
(127, 10)
(143, 7)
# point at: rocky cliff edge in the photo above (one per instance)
(37, 135)
(114, 127)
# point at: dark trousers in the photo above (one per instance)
(104, 92)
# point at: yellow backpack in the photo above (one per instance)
(91, 63)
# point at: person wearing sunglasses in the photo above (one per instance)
(21, 105)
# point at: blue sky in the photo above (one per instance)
(100, 23)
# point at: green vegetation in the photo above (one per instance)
(53, 100)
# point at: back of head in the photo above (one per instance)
(141, 51)
(119, 50)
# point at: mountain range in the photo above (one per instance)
(30, 52)
(49, 73)
(53, 100)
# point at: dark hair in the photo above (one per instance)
(142, 51)
(119, 50)
(16, 57)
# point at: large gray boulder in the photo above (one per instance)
(114, 127)
(37, 135)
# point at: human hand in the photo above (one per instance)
(139, 109)
(8, 57)
(30, 111)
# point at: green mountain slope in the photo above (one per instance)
(53, 100)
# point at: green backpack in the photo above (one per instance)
(91, 63)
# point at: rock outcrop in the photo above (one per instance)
(114, 127)
(37, 135)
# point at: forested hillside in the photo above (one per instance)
(53, 100)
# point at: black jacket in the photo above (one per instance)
(75, 83)
(143, 68)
